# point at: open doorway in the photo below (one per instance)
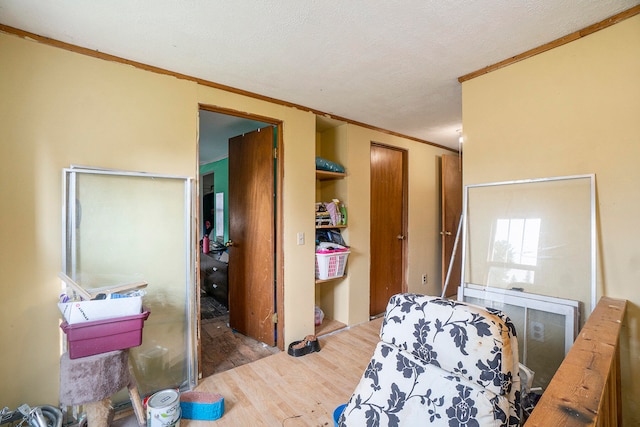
(227, 338)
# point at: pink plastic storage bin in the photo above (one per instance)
(101, 336)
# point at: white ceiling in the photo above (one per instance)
(390, 64)
(215, 131)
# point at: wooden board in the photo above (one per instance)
(585, 391)
(88, 295)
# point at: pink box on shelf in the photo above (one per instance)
(101, 336)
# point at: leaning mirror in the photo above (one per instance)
(529, 249)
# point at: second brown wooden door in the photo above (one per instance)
(388, 225)
(451, 182)
(252, 235)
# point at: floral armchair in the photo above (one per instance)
(441, 363)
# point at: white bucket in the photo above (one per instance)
(163, 409)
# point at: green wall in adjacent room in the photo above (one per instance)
(220, 171)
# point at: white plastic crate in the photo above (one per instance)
(331, 265)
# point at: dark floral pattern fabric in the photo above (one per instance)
(439, 362)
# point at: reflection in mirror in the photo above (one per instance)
(536, 236)
(220, 217)
(514, 252)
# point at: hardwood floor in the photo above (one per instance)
(281, 390)
(222, 348)
(285, 391)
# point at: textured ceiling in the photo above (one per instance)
(388, 64)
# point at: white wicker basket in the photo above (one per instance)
(331, 265)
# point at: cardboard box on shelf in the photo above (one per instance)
(88, 311)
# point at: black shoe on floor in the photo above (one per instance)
(308, 345)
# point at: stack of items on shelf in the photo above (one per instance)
(322, 215)
(103, 320)
(331, 214)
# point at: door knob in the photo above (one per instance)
(445, 233)
(401, 237)
(229, 243)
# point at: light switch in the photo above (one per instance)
(301, 238)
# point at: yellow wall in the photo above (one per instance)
(59, 108)
(573, 110)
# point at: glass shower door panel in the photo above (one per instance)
(130, 228)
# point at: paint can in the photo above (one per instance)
(163, 409)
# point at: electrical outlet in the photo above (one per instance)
(537, 331)
(424, 279)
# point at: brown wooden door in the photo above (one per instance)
(388, 225)
(451, 187)
(252, 235)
